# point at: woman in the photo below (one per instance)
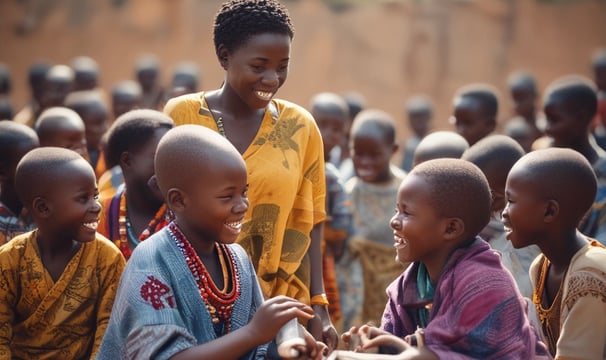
(281, 146)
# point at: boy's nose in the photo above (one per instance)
(395, 223)
(241, 206)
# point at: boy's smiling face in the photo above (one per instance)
(214, 209)
(524, 210)
(73, 203)
(417, 227)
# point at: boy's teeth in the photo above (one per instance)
(234, 225)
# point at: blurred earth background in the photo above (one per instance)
(385, 50)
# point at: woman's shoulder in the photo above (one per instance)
(185, 101)
(285, 107)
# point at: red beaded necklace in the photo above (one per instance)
(158, 222)
(219, 302)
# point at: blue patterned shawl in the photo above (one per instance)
(175, 318)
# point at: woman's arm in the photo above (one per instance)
(320, 326)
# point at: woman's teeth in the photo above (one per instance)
(92, 225)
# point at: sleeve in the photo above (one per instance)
(111, 269)
(8, 282)
(184, 109)
(583, 331)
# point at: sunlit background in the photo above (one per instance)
(384, 50)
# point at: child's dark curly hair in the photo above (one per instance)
(238, 20)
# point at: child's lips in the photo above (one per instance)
(508, 230)
(399, 242)
(235, 226)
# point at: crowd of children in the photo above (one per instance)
(169, 222)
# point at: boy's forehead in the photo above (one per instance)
(69, 177)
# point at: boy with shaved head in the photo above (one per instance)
(58, 281)
(495, 155)
(62, 127)
(570, 105)
(189, 291)
(456, 300)
(548, 191)
(440, 144)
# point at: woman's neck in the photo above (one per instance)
(229, 105)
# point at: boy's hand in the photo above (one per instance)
(360, 339)
(313, 350)
(274, 313)
(371, 338)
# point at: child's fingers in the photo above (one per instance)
(386, 340)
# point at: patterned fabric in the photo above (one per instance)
(287, 191)
(594, 223)
(158, 310)
(336, 231)
(125, 239)
(12, 225)
(66, 319)
(371, 242)
(379, 269)
(476, 313)
(517, 261)
(97, 161)
(110, 182)
(580, 313)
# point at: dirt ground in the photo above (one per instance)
(385, 50)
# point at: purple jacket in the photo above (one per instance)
(477, 311)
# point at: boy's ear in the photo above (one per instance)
(455, 227)
(125, 159)
(552, 210)
(175, 199)
(41, 207)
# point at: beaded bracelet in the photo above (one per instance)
(319, 299)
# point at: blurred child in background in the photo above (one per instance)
(16, 140)
(371, 193)
(419, 113)
(332, 116)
